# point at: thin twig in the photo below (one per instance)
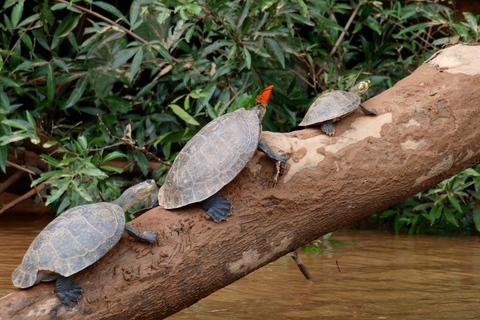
(128, 141)
(301, 266)
(238, 93)
(113, 23)
(13, 164)
(11, 180)
(36, 190)
(27, 195)
(339, 40)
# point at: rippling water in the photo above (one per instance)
(379, 276)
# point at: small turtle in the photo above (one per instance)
(78, 238)
(334, 105)
(213, 157)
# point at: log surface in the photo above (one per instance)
(427, 130)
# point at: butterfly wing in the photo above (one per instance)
(265, 95)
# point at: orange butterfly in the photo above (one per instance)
(265, 95)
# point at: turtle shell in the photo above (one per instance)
(211, 159)
(70, 243)
(331, 106)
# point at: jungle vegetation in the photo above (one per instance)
(108, 92)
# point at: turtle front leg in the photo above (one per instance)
(368, 110)
(67, 290)
(217, 207)
(147, 236)
(327, 127)
(275, 156)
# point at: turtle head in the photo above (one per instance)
(135, 194)
(362, 87)
(143, 189)
(262, 101)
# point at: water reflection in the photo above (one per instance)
(381, 276)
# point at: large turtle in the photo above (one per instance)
(213, 157)
(334, 105)
(78, 238)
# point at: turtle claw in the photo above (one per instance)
(276, 156)
(281, 157)
(328, 127)
(217, 207)
(67, 290)
(147, 236)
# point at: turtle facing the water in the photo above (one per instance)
(213, 157)
(334, 105)
(78, 238)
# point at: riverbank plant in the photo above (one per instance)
(104, 91)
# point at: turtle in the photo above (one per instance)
(214, 157)
(334, 105)
(78, 238)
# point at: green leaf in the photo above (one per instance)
(163, 52)
(4, 140)
(134, 9)
(136, 63)
(50, 160)
(110, 168)
(176, 136)
(277, 51)
(183, 115)
(189, 33)
(57, 193)
(3, 158)
(93, 172)
(7, 82)
(9, 3)
(82, 192)
(476, 217)
(77, 93)
(142, 161)
(27, 41)
(17, 14)
(118, 105)
(69, 23)
(48, 175)
(109, 8)
(416, 27)
(19, 124)
(454, 203)
(248, 58)
(450, 217)
(51, 84)
(82, 141)
(113, 155)
(49, 144)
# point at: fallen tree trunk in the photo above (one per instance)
(427, 129)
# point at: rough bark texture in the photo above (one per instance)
(427, 129)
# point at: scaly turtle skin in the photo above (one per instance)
(214, 157)
(78, 238)
(334, 105)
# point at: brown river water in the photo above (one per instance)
(359, 275)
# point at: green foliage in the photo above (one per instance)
(155, 72)
(453, 207)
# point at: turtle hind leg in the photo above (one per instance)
(147, 236)
(368, 110)
(275, 156)
(328, 127)
(217, 207)
(67, 290)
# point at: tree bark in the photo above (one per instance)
(427, 130)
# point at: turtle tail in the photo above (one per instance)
(24, 276)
